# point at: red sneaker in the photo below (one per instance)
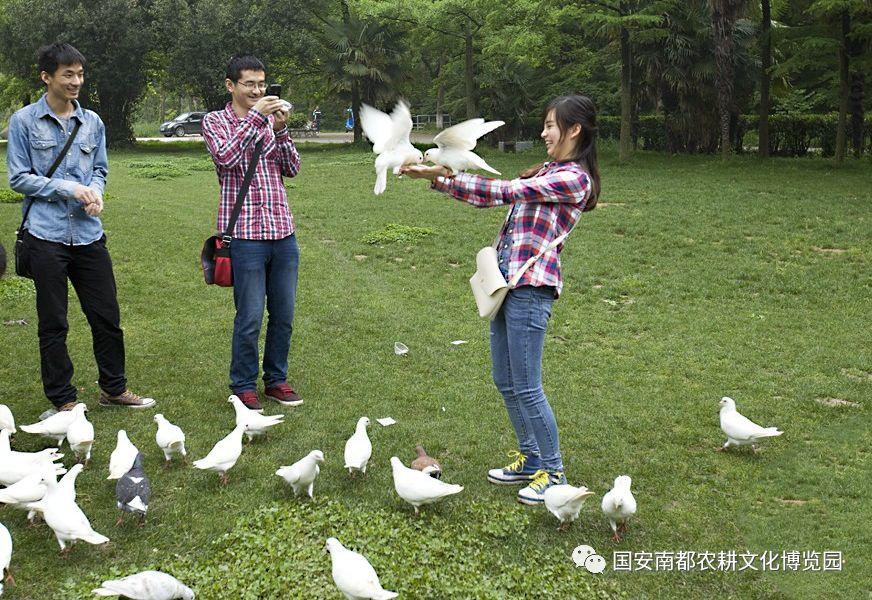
(283, 394)
(250, 400)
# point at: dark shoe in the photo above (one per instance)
(126, 399)
(250, 400)
(283, 394)
(56, 409)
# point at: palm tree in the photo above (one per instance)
(724, 14)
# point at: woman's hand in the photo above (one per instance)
(426, 172)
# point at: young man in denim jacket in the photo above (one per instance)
(64, 239)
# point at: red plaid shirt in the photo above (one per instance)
(544, 207)
(230, 140)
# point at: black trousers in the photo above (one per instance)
(89, 269)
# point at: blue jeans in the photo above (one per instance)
(264, 273)
(517, 337)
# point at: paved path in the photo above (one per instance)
(327, 137)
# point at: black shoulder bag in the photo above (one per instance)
(215, 256)
(22, 265)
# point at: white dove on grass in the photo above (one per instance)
(55, 426)
(418, 488)
(223, 454)
(565, 502)
(65, 488)
(455, 145)
(254, 422)
(7, 421)
(147, 585)
(358, 448)
(619, 505)
(389, 135)
(122, 457)
(66, 519)
(30, 489)
(740, 430)
(353, 574)
(15, 466)
(5, 557)
(170, 439)
(80, 437)
(301, 475)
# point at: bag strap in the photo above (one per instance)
(557, 241)
(54, 167)
(227, 236)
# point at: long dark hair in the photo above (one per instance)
(579, 110)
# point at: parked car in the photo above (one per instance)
(185, 124)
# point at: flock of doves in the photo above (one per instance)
(389, 135)
(31, 484)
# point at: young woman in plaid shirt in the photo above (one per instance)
(545, 202)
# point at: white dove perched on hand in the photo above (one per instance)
(5, 557)
(147, 585)
(301, 475)
(418, 488)
(223, 454)
(254, 422)
(7, 421)
(389, 135)
(619, 505)
(55, 426)
(455, 145)
(80, 437)
(170, 439)
(353, 574)
(358, 448)
(122, 457)
(565, 502)
(740, 430)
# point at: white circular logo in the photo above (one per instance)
(580, 554)
(595, 563)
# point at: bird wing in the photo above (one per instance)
(464, 136)
(739, 427)
(401, 124)
(356, 576)
(377, 126)
(141, 586)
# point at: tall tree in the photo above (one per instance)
(765, 78)
(724, 15)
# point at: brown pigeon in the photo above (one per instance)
(426, 464)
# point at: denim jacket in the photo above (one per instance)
(35, 139)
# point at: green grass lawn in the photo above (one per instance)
(694, 279)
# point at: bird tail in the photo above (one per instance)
(582, 494)
(381, 182)
(101, 591)
(95, 538)
(454, 489)
(767, 432)
(201, 464)
(385, 595)
(138, 505)
(35, 428)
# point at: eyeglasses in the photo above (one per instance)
(250, 85)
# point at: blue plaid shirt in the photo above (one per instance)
(36, 136)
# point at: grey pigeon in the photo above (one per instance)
(133, 491)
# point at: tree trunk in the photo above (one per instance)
(841, 136)
(856, 102)
(765, 79)
(625, 142)
(440, 102)
(355, 108)
(723, 18)
(471, 91)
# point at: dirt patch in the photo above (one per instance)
(793, 502)
(829, 250)
(835, 402)
(360, 257)
(857, 375)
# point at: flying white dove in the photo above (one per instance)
(455, 144)
(170, 439)
(418, 488)
(358, 448)
(301, 475)
(15, 466)
(389, 135)
(122, 457)
(224, 454)
(254, 422)
(80, 437)
(147, 585)
(66, 519)
(65, 488)
(564, 502)
(55, 426)
(7, 421)
(740, 430)
(5, 557)
(353, 574)
(619, 505)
